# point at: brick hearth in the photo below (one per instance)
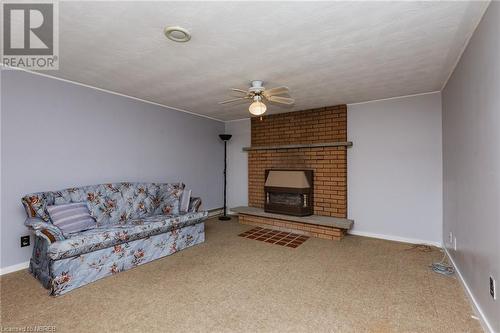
(317, 231)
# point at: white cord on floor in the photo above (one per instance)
(443, 267)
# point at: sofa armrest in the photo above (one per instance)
(194, 204)
(43, 229)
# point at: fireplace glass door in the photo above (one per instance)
(288, 199)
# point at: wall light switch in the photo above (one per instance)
(450, 237)
(455, 243)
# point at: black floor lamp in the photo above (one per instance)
(225, 138)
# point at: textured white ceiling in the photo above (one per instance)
(326, 52)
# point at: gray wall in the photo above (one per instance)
(394, 169)
(237, 160)
(56, 134)
(471, 168)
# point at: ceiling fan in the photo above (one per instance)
(257, 93)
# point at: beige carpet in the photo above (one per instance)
(233, 284)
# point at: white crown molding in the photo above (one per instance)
(215, 212)
(179, 109)
(359, 103)
(14, 268)
(464, 47)
(475, 305)
(395, 238)
(234, 120)
(395, 97)
(111, 92)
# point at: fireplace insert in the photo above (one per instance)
(289, 192)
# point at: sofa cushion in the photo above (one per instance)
(151, 199)
(110, 235)
(114, 203)
(106, 203)
(110, 203)
(167, 199)
(72, 217)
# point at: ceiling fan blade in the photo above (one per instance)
(232, 100)
(276, 91)
(281, 100)
(240, 90)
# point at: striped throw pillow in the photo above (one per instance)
(72, 217)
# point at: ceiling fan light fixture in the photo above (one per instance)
(258, 93)
(257, 108)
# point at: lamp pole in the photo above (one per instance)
(225, 138)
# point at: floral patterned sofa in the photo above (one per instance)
(135, 223)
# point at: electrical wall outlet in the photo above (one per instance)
(455, 243)
(450, 237)
(25, 241)
(492, 288)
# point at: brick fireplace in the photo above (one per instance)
(314, 140)
(329, 164)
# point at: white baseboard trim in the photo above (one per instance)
(394, 238)
(215, 212)
(14, 268)
(485, 324)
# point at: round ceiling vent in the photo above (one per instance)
(177, 34)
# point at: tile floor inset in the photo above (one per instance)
(270, 236)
